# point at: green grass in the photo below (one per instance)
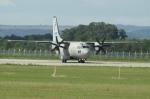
(36, 82)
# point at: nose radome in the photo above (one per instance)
(86, 51)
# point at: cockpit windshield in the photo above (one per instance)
(84, 45)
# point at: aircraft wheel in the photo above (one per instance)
(64, 61)
(81, 61)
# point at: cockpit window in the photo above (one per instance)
(85, 46)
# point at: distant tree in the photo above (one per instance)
(146, 44)
(13, 37)
(91, 32)
(4, 44)
(47, 36)
(122, 34)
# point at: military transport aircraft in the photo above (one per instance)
(68, 50)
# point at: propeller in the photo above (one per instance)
(58, 45)
(101, 46)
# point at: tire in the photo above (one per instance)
(81, 61)
(64, 61)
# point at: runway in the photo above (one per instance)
(73, 63)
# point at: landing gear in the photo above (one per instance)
(81, 60)
(64, 60)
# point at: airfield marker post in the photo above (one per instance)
(54, 72)
(119, 73)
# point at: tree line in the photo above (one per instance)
(94, 30)
(4, 44)
(47, 36)
(79, 33)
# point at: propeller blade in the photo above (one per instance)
(55, 48)
(53, 43)
(101, 46)
(97, 40)
(59, 51)
(58, 45)
(57, 40)
(61, 42)
(62, 47)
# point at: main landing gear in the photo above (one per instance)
(81, 60)
(64, 61)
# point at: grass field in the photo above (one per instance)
(36, 82)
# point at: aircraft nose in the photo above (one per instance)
(86, 52)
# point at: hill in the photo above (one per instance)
(138, 32)
(22, 30)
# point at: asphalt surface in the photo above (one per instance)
(73, 63)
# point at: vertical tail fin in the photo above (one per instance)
(56, 30)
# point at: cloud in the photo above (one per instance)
(7, 3)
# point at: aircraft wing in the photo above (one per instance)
(110, 43)
(114, 42)
(34, 41)
(107, 42)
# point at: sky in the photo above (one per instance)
(74, 12)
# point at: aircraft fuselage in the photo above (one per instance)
(78, 50)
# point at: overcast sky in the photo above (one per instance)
(74, 12)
